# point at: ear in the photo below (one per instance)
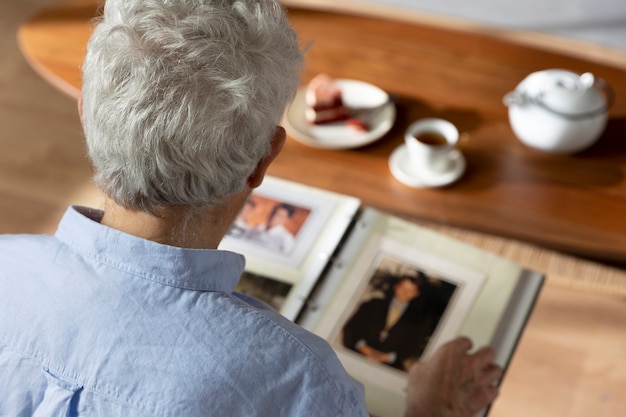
(80, 105)
(278, 141)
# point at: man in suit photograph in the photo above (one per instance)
(394, 330)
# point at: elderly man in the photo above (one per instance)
(130, 311)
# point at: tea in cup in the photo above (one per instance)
(429, 143)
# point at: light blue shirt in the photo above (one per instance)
(95, 322)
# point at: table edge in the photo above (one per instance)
(559, 44)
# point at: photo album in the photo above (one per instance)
(384, 292)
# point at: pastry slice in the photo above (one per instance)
(324, 103)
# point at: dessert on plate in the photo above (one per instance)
(324, 102)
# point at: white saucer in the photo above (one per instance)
(356, 94)
(403, 170)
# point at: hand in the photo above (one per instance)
(373, 354)
(453, 383)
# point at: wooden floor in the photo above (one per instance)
(571, 361)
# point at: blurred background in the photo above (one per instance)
(597, 21)
(43, 164)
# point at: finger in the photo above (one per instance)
(486, 390)
(487, 396)
(472, 367)
(459, 345)
(484, 356)
(491, 375)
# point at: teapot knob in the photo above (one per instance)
(587, 80)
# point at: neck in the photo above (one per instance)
(175, 225)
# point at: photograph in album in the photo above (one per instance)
(269, 223)
(397, 314)
(288, 233)
(270, 291)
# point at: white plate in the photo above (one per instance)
(356, 95)
(404, 171)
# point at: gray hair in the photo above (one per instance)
(182, 97)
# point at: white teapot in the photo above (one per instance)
(558, 110)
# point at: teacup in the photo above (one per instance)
(429, 143)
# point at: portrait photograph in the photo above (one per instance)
(270, 223)
(397, 313)
(282, 222)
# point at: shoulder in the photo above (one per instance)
(19, 253)
(293, 336)
(322, 380)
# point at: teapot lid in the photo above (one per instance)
(566, 93)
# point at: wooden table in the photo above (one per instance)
(571, 203)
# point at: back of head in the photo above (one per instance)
(182, 97)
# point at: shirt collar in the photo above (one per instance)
(194, 269)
